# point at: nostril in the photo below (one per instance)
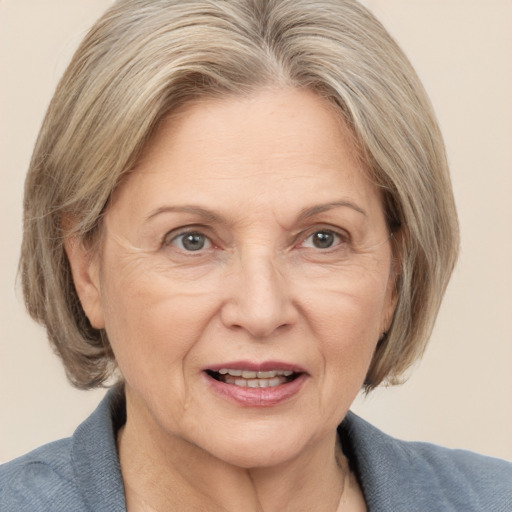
(258, 301)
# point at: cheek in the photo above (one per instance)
(152, 321)
(346, 316)
(344, 323)
(348, 331)
(352, 302)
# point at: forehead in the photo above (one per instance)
(279, 121)
(279, 147)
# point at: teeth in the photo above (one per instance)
(266, 375)
(253, 379)
(255, 383)
(247, 374)
(235, 373)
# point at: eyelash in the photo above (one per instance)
(340, 238)
(170, 238)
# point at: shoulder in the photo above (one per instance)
(38, 479)
(461, 476)
(78, 474)
(422, 476)
(461, 465)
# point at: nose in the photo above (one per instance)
(258, 300)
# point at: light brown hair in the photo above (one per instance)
(144, 58)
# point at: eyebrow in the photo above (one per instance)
(315, 210)
(210, 216)
(207, 215)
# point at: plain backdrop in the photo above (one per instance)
(460, 395)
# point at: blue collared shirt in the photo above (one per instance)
(82, 473)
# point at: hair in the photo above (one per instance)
(144, 58)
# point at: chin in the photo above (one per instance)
(267, 446)
(250, 457)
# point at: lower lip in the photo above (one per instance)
(257, 397)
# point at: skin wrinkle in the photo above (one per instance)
(213, 217)
(224, 224)
(257, 294)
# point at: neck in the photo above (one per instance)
(162, 472)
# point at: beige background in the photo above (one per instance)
(461, 394)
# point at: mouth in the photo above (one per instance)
(253, 379)
(256, 384)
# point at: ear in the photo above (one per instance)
(85, 268)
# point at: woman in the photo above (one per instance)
(243, 210)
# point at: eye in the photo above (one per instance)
(190, 241)
(323, 239)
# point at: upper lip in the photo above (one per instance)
(255, 366)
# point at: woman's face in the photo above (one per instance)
(248, 239)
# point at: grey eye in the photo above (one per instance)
(321, 239)
(191, 241)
